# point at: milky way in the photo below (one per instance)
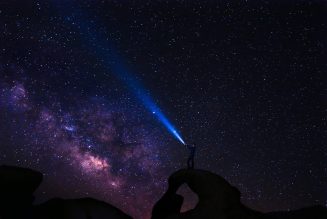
(244, 80)
(114, 151)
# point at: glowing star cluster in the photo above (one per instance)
(91, 163)
(15, 97)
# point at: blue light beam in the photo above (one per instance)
(103, 49)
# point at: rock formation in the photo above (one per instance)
(17, 186)
(217, 200)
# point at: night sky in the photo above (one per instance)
(245, 80)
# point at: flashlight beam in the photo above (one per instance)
(98, 43)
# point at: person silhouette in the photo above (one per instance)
(190, 160)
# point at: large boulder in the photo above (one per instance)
(17, 181)
(17, 186)
(217, 198)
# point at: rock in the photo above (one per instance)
(17, 186)
(169, 204)
(18, 181)
(217, 198)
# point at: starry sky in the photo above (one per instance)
(245, 80)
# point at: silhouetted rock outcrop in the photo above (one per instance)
(17, 186)
(217, 200)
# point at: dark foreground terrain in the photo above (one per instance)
(217, 200)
